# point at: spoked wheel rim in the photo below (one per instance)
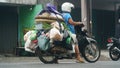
(114, 54)
(48, 57)
(92, 52)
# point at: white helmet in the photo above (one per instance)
(67, 7)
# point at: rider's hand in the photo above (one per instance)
(81, 24)
(85, 30)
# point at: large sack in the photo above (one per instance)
(55, 32)
(57, 25)
(48, 18)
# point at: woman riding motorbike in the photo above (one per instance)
(66, 9)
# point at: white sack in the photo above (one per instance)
(29, 45)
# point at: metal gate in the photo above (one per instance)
(8, 29)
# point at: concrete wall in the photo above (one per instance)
(31, 2)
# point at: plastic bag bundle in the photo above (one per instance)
(43, 42)
(30, 46)
(28, 38)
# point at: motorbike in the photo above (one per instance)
(64, 49)
(114, 48)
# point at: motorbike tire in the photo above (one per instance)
(114, 55)
(91, 55)
(46, 58)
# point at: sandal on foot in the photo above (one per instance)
(80, 61)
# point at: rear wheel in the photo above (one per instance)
(46, 58)
(114, 54)
(91, 52)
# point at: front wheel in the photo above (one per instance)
(114, 54)
(46, 58)
(91, 52)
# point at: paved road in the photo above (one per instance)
(99, 64)
(104, 57)
(34, 62)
